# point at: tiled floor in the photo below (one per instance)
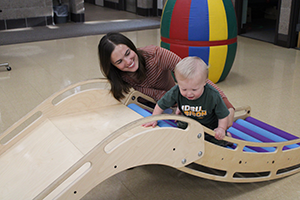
(264, 76)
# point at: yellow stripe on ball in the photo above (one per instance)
(217, 57)
(218, 29)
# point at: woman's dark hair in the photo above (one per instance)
(106, 46)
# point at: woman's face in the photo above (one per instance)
(124, 58)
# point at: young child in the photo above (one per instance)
(196, 99)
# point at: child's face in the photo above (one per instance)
(191, 88)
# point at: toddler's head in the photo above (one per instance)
(191, 74)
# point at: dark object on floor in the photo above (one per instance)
(8, 68)
(61, 14)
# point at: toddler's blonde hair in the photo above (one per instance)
(189, 66)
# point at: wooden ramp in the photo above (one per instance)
(81, 136)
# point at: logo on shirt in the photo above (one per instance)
(194, 111)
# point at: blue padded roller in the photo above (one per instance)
(145, 113)
(264, 132)
(249, 138)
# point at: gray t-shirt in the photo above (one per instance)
(207, 109)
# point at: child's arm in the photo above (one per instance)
(230, 117)
(157, 111)
(220, 130)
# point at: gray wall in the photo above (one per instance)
(144, 3)
(284, 19)
(30, 13)
(76, 6)
(114, 1)
(16, 9)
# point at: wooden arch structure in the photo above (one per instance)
(81, 136)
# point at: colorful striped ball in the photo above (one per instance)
(203, 28)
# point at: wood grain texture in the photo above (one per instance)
(83, 136)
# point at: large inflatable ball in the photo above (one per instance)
(203, 28)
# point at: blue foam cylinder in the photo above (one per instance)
(255, 135)
(264, 132)
(247, 137)
(145, 113)
(270, 128)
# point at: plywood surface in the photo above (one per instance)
(87, 129)
(62, 135)
(33, 163)
(54, 146)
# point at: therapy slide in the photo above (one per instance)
(81, 136)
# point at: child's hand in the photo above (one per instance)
(177, 112)
(220, 133)
(153, 124)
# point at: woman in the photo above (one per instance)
(146, 69)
